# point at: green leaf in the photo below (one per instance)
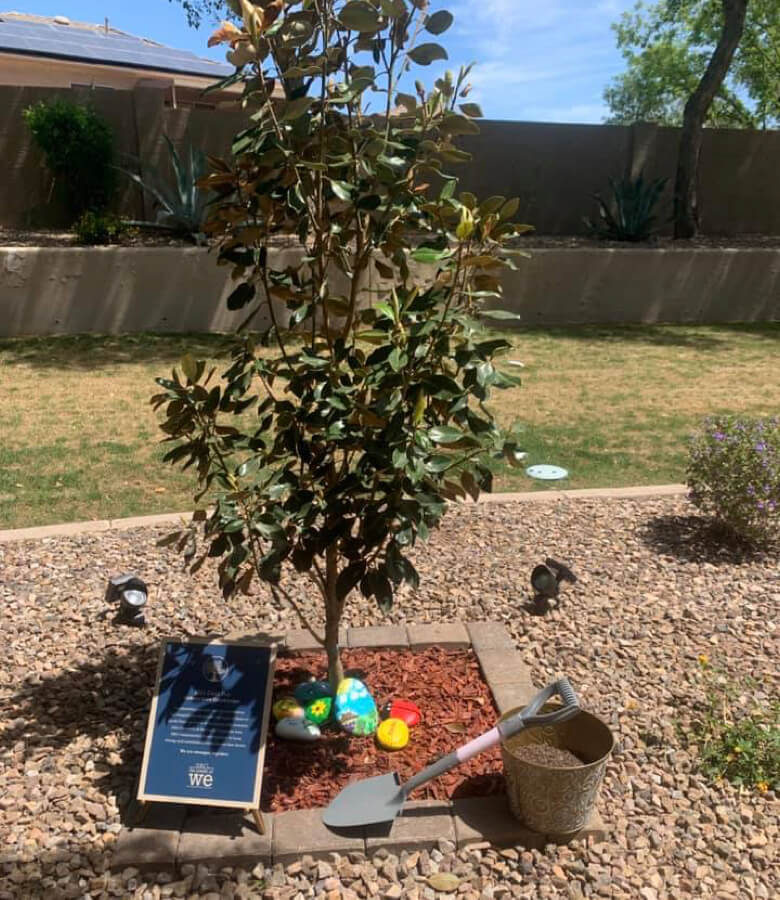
(500, 314)
(445, 434)
(189, 367)
(439, 22)
(294, 109)
(361, 16)
(429, 255)
(474, 110)
(242, 295)
(425, 54)
(341, 189)
(408, 101)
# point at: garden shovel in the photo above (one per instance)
(380, 799)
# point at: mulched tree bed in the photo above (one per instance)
(456, 705)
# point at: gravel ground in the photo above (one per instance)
(653, 594)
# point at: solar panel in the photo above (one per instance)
(72, 42)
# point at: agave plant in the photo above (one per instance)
(181, 205)
(629, 216)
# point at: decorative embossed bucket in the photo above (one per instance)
(550, 800)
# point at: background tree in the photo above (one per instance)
(337, 434)
(685, 185)
(203, 12)
(667, 47)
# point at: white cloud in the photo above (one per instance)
(537, 60)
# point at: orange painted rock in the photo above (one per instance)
(404, 710)
(393, 734)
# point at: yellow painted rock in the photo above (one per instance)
(287, 708)
(393, 734)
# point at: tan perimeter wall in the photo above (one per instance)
(115, 290)
(554, 169)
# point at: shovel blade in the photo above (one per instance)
(366, 802)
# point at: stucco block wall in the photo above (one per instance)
(115, 289)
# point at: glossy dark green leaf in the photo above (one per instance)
(243, 294)
(473, 110)
(294, 109)
(503, 314)
(361, 16)
(425, 54)
(439, 22)
(444, 434)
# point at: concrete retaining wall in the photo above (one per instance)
(129, 289)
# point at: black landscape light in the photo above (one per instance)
(131, 593)
(546, 580)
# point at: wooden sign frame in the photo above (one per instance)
(254, 807)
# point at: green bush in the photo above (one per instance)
(99, 228)
(78, 146)
(734, 475)
(630, 214)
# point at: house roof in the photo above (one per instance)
(59, 38)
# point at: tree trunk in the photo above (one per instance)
(333, 610)
(686, 219)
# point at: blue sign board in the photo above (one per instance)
(205, 740)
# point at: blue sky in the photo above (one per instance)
(538, 60)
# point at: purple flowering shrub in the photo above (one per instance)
(734, 475)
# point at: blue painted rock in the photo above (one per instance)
(312, 690)
(355, 710)
(318, 711)
(287, 708)
(291, 729)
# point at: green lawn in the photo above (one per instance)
(78, 439)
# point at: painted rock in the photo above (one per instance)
(355, 710)
(318, 711)
(404, 710)
(393, 734)
(287, 708)
(292, 729)
(312, 690)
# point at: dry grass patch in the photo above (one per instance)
(78, 439)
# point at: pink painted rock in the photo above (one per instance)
(404, 710)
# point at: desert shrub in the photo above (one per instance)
(734, 475)
(736, 741)
(78, 146)
(99, 228)
(630, 214)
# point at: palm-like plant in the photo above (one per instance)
(181, 205)
(630, 214)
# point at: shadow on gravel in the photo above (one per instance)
(107, 701)
(697, 539)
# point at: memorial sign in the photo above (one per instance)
(205, 741)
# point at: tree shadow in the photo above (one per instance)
(92, 351)
(695, 337)
(108, 698)
(698, 539)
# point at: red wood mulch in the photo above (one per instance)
(456, 706)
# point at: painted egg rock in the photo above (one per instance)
(393, 734)
(312, 690)
(404, 710)
(318, 711)
(355, 710)
(287, 708)
(291, 729)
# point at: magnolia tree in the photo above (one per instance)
(340, 429)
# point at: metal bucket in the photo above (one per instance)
(557, 801)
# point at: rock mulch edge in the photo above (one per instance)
(167, 839)
(69, 529)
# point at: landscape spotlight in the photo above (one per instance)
(131, 593)
(546, 580)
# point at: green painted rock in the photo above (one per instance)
(319, 710)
